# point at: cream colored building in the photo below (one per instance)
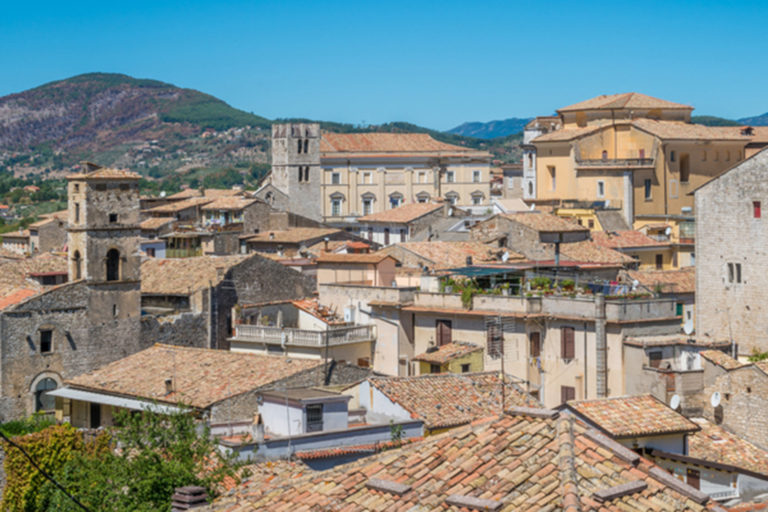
(637, 153)
(338, 177)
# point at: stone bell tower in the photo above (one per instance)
(296, 167)
(103, 239)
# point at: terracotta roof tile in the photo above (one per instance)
(14, 297)
(293, 235)
(229, 203)
(209, 192)
(180, 205)
(624, 100)
(722, 359)
(515, 463)
(106, 173)
(714, 443)
(14, 273)
(448, 352)
(201, 377)
(670, 281)
(633, 416)
(442, 254)
(402, 214)
(385, 143)
(182, 276)
(447, 399)
(625, 239)
(156, 222)
(545, 222)
(374, 257)
(588, 251)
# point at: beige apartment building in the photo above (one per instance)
(636, 153)
(338, 177)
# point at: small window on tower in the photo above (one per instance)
(756, 210)
(306, 145)
(112, 218)
(298, 148)
(46, 341)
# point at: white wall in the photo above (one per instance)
(282, 420)
(378, 406)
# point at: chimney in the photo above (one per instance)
(187, 498)
(325, 243)
(168, 386)
(601, 347)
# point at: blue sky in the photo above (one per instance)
(436, 64)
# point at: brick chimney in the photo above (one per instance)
(188, 498)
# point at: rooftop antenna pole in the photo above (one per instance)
(503, 386)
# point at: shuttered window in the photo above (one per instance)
(535, 344)
(567, 393)
(567, 350)
(495, 338)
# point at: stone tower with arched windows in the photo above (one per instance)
(103, 241)
(296, 167)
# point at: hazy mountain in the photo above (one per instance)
(491, 129)
(761, 120)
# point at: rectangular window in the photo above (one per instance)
(450, 177)
(475, 176)
(77, 213)
(756, 210)
(738, 272)
(659, 262)
(315, 418)
(370, 234)
(112, 218)
(647, 185)
(434, 368)
(46, 341)
(402, 234)
(335, 178)
(150, 252)
(679, 309)
(600, 189)
(654, 359)
(567, 348)
(730, 272)
(465, 368)
(734, 272)
(367, 178)
(386, 236)
(552, 176)
(567, 393)
(335, 207)
(422, 177)
(591, 223)
(477, 200)
(535, 342)
(367, 206)
(671, 156)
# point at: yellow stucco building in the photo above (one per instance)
(636, 153)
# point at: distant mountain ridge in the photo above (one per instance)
(491, 129)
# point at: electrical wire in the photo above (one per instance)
(44, 473)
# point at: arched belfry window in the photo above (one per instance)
(113, 265)
(78, 265)
(43, 402)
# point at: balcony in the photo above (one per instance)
(304, 338)
(183, 253)
(615, 163)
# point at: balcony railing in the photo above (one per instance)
(724, 495)
(618, 163)
(304, 338)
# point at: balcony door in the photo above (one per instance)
(443, 332)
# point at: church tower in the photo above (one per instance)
(296, 167)
(103, 239)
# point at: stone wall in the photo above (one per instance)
(743, 405)
(727, 231)
(184, 329)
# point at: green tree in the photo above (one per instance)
(157, 453)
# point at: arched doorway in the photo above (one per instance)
(43, 402)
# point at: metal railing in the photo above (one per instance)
(304, 338)
(183, 253)
(615, 162)
(724, 495)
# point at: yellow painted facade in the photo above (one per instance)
(583, 216)
(472, 362)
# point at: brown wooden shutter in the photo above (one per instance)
(567, 393)
(567, 342)
(654, 358)
(443, 334)
(535, 344)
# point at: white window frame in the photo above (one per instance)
(335, 178)
(477, 176)
(450, 176)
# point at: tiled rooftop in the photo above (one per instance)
(446, 399)
(229, 203)
(722, 359)
(624, 100)
(293, 235)
(182, 276)
(14, 274)
(385, 143)
(624, 239)
(588, 251)
(201, 377)
(177, 206)
(448, 352)
(209, 192)
(526, 462)
(106, 173)
(633, 416)
(545, 222)
(670, 281)
(714, 443)
(402, 214)
(444, 254)
(156, 222)
(371, 258)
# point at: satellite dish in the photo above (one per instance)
(688, 327)
(162, 193)
(505, 256)
(714, 400)
(635, 284)
(674, 402)
(668, 231)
